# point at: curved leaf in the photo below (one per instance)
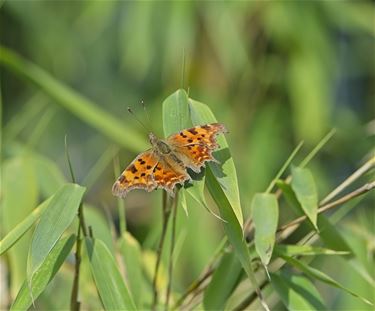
(297, 292)
(13, 236)
(58, 215)
(44, 274)
(112, 290)
(225, 173)
(321, 276)
(265, 214)
(304, 187)
(222, 283)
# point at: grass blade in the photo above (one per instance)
(112, 290)
(265, 214)
(58, 215)
(297, 292)
(13, 236)
(44, 274)
(304, 187)
(321, 276)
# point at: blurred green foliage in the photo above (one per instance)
(274, 73)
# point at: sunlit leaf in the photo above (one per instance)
(223, 282)
(44, 274)
(113, 292)
(297, 292)
(132, 256)
(265, 215)
(304, 187)
(321, 276)
(18, 231)
(306, 250)
(57, 216)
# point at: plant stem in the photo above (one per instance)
(74, 303)
(365, 188)
(358, 173)
(166, 214)
(173, 236)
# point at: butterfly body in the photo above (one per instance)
(166, 163)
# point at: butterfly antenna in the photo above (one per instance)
(146, 112)
(139, 121)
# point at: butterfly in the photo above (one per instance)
(165, 164)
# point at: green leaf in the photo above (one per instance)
(290, 197)
(112, 290)
(57, 216)
(265, 215)
(233, 230)
(44, 274)
(13, 236)
(225, 173)
(305, 250)
(331, 237)
(176, 116)
(132, 256)
(223, 282)
(297, 292)
(321, 276)
(99, 224)
(305, 189)
(80, 106)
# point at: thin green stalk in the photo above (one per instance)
(166, 214)
(284, 167)
(74, 302)
(173, 236)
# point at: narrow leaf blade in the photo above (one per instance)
(112, 290)
(305, 189)
(265, 214)
(297, 292)
(13, 236)
(44, 274)
(58, 215)
(321, 276)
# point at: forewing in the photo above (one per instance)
(138, 175)
(201, 134)
(167, 175)
(194, 146)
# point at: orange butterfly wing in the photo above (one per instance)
(195, 145)
(138, 175)
(168, 173)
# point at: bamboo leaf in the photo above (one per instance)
(225, 173)
(44, 274)
(112, 290)
(297, 292)
(132, 256)
(176, 115)
(304, 187)
(223, 282)
(57, 216)
(265, 214)
(306, 250)
(321, 276)
(13, 236)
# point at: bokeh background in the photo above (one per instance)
(274, 73)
